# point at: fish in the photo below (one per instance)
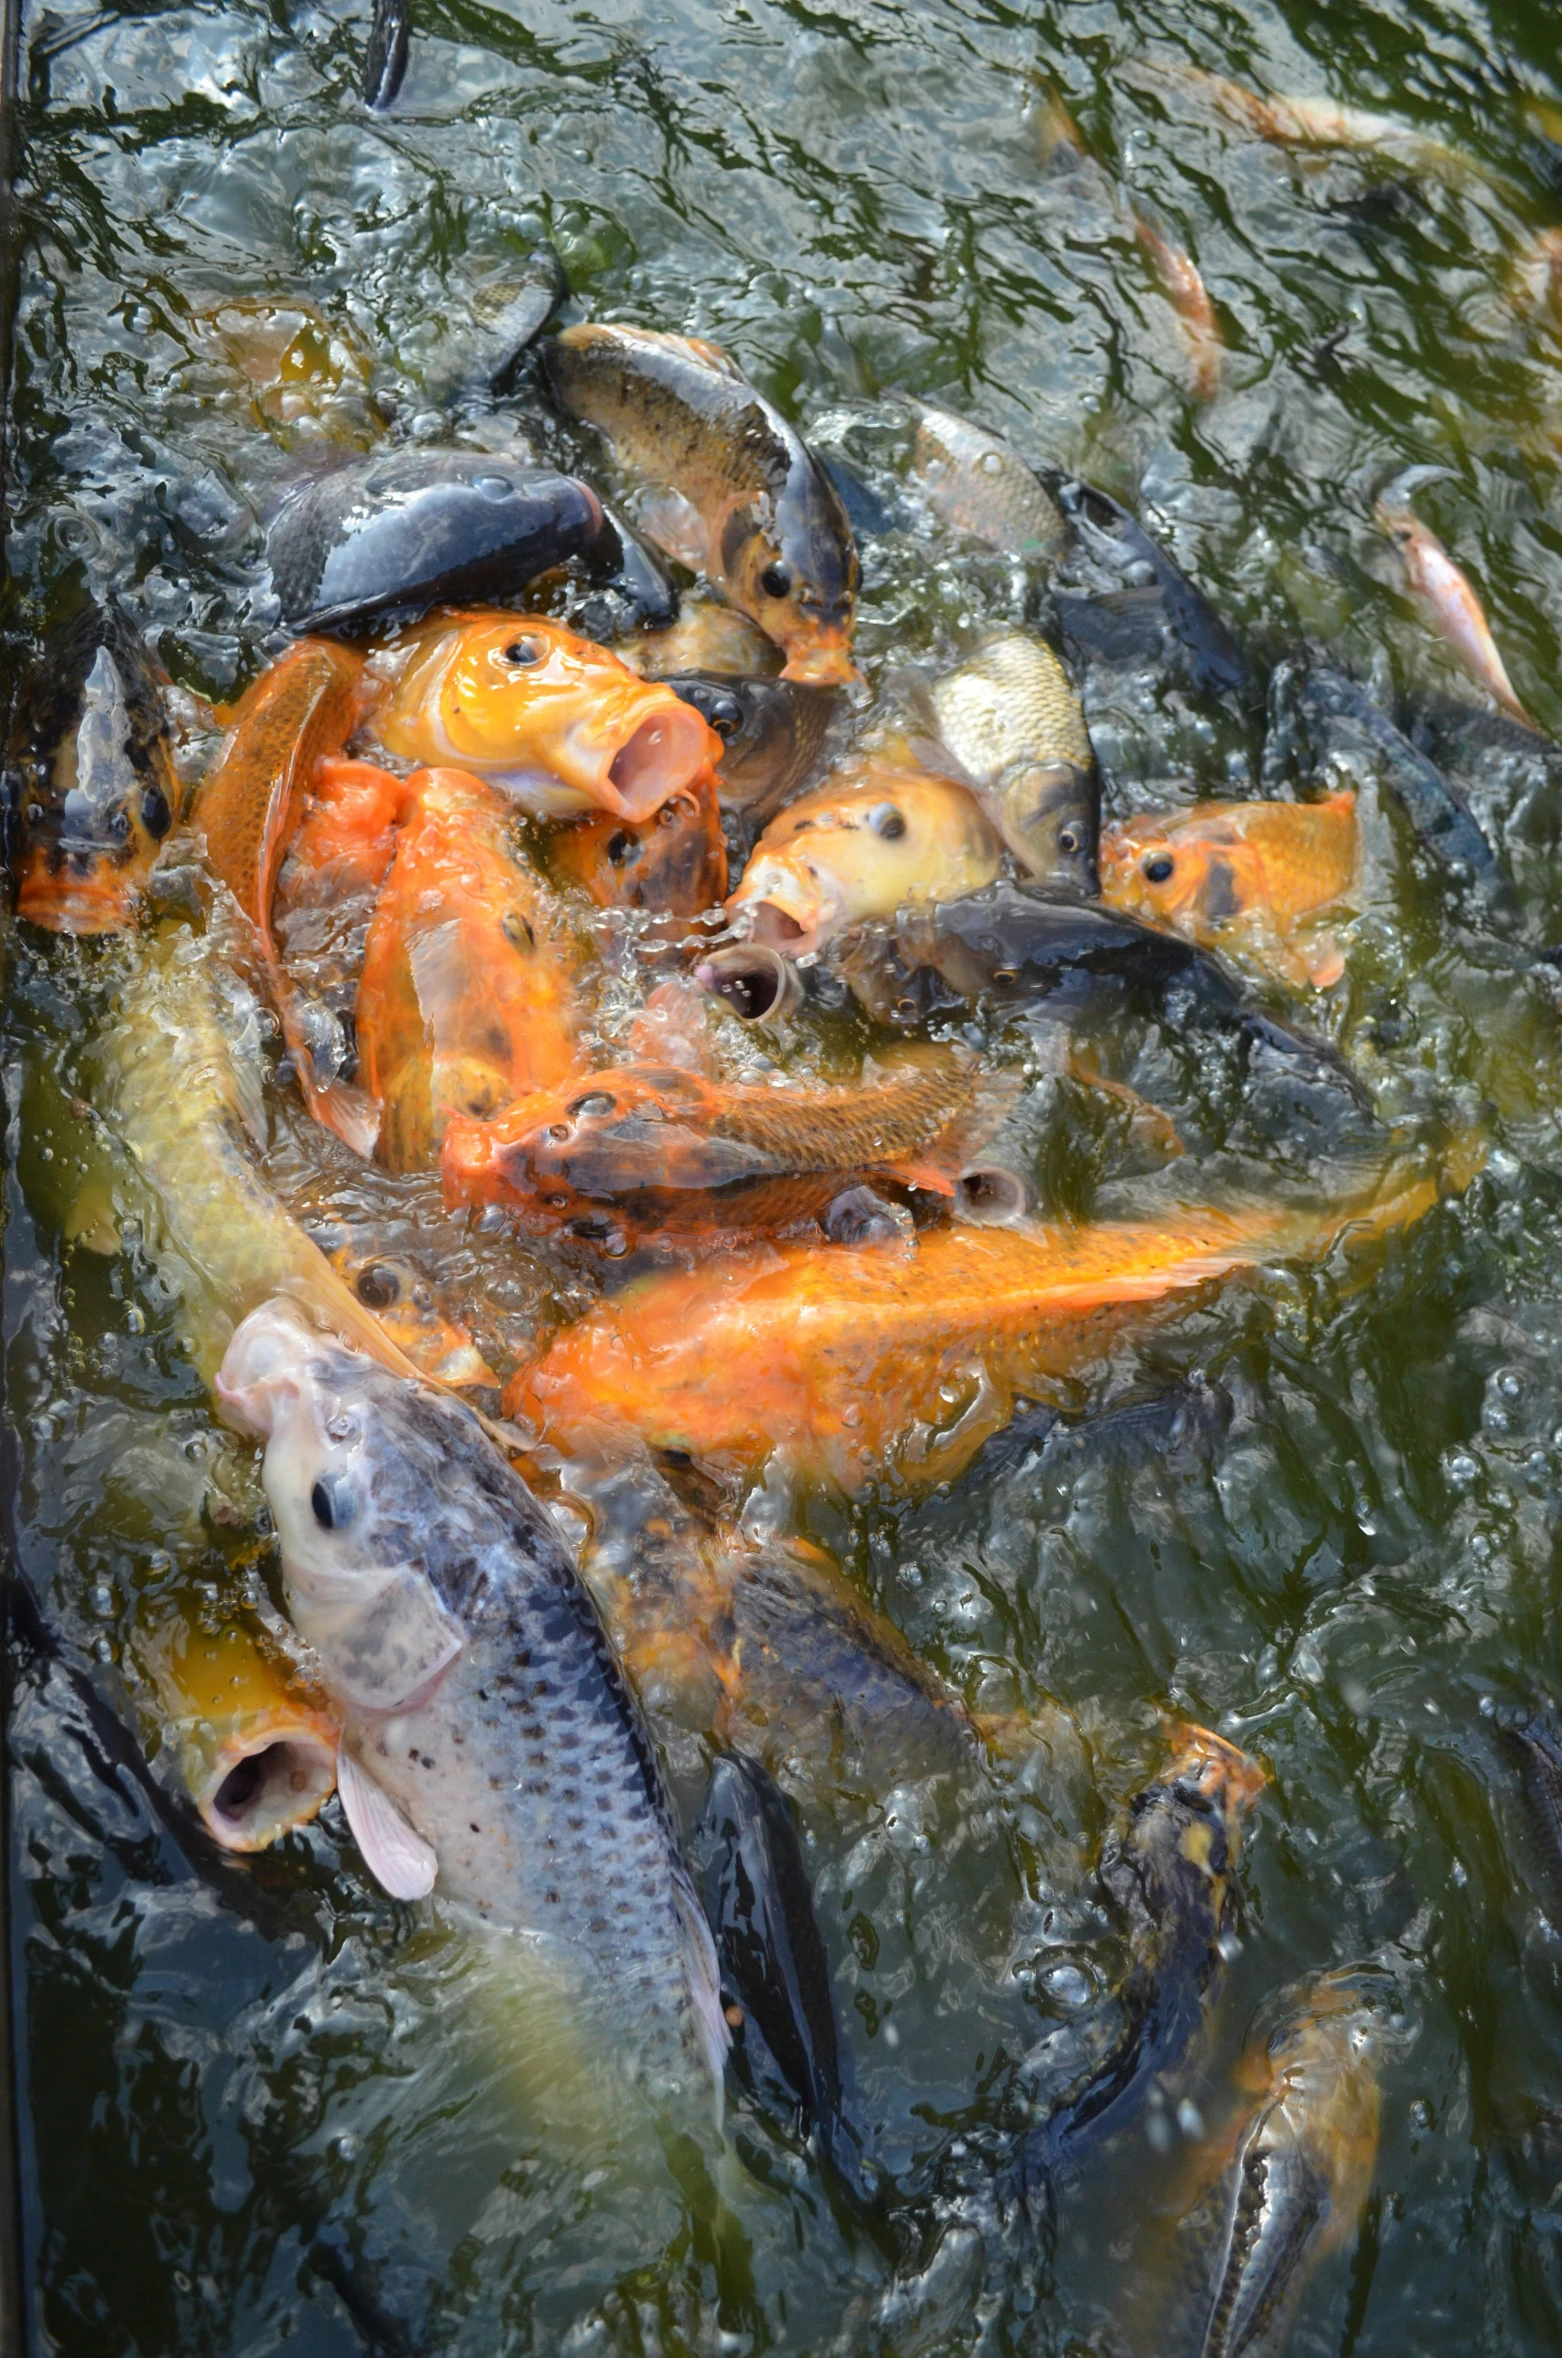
(1533, 1738)
(554, 720)
(385, 54)
(1106, 533)
(1324, 729)
(180, 1087)
(480, 344)
(299, 712)
(1009, 717)
(750, 507)
(491, 1747)
(1303, 119)
(1240, 873)
(1169, 1879)
(406, 1307)
(674, 864)
(874, 837)
(623, 585)
(772, 733)
(704, 638)
(895, 1364)
(1300, 2168)
(92, 792)
(976, 482)
(1436, 582)
(467, 997)
(412, 527)
(622, 1155)
(303, 373)
(1189, 297)
(254, 1738)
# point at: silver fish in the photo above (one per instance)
(1011, 719)
(490, 1745)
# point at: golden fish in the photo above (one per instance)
(1241, 873)
(977, 483)
(96, 790)
(1436, 581)
(299, 370)
(255, 1740)
(674, 864)
(628, 1153)
(555, 720)
(750, 506)
(862, 1364)
(875, 837)
(467, 997)
(1011, 719)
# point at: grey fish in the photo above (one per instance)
(977, 483)
(772, 734)
(414, 527)
(490, 1741)
(1119, 545)
(1323, 727)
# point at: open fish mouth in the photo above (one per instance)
(662, 756)
(268, 1780)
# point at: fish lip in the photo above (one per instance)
(822, 666)
(769, 926)
(299, 1777)
(757, 983)
(644, 771)
(82, 906)
(992, 1195)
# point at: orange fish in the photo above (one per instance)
(1189, 298)
(872, 1363)
(622, 1155)
(297, 713)
(467, 994)
(674, 864)
(407, 1309)
(556, 721)
(1443, 591)
(1248, 874)
(256, 1743)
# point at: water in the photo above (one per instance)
(259, 2108)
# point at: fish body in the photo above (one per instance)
(1170, 1880)
(255, 1741)
(1300, 2171)
(1305, 119)
(752, 508)
(1534, 1738)
(977, 483)
(554, 720)
(92, 786)
(1189, 297)
(490, 1745)
(1013, 723)
(302, 371)
(1446, 595)
(413, 527)
(467, 995)
(861, 1364)
(874, 837)
(638, 1152)
(1119, 544)
(772, 734)
(482, 350)
(705, 637)
(1326, 729)
(1223, 871)
(674, 864)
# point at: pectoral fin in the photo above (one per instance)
(400, 1861)
(387, 1650)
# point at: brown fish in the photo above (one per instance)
(625, 1154)
(750, 506)
(674, 864)
(1189, 298)
(1443, 591)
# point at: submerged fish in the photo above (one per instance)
(623, 1154)
(555, 720)
(1535, 1738)
(1325, 730)
(862, 1364)
(91, 783)
(674, 864)
(1302, 119)
(412, 527)
(255, 1741)
(751, 507)
(705, 637)
(772, 734)
(406, 1306)
(1189, 298)
(1434, 579)
(1170, 1881)
(1244, 873)
(1013, 723)
(302, 370)
(467, 996)
(874, 837)
(1301, 2167)
(977, 483)
(1116, 542)
(490, 1746)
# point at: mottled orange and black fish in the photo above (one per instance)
(93, 781)
(1248, 874)
(674, 864)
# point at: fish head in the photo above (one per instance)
(1164, 870)
(861, 846)
(1216, 1784)
(536, 709)
(791, 563)
(771, 731)
(674, 863)
(94, 807)
(567, 1151)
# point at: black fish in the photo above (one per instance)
(627, 585)
(385, 57)
(410, 528)
(1535, 1739)
(1178, 1426)
(1116, 541)
(1324, 729)
(772, 1955)
(772, 733)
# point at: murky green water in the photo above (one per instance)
(246, 2088)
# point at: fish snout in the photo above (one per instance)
(261, 1367)
(268, 1780)
(665, 754)
(756, 982)
(1220, 1774)
(822, 662)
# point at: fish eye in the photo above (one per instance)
(378, 1286)
(1158, 870)
(156, 817)
(621, 848)
(719, 707)
(1068, 840)
(597, 1101)
(524, 652)
(776, 581)
(887, 821)
(333, 1501)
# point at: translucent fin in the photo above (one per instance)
(699, 1956)
(400, 1861)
